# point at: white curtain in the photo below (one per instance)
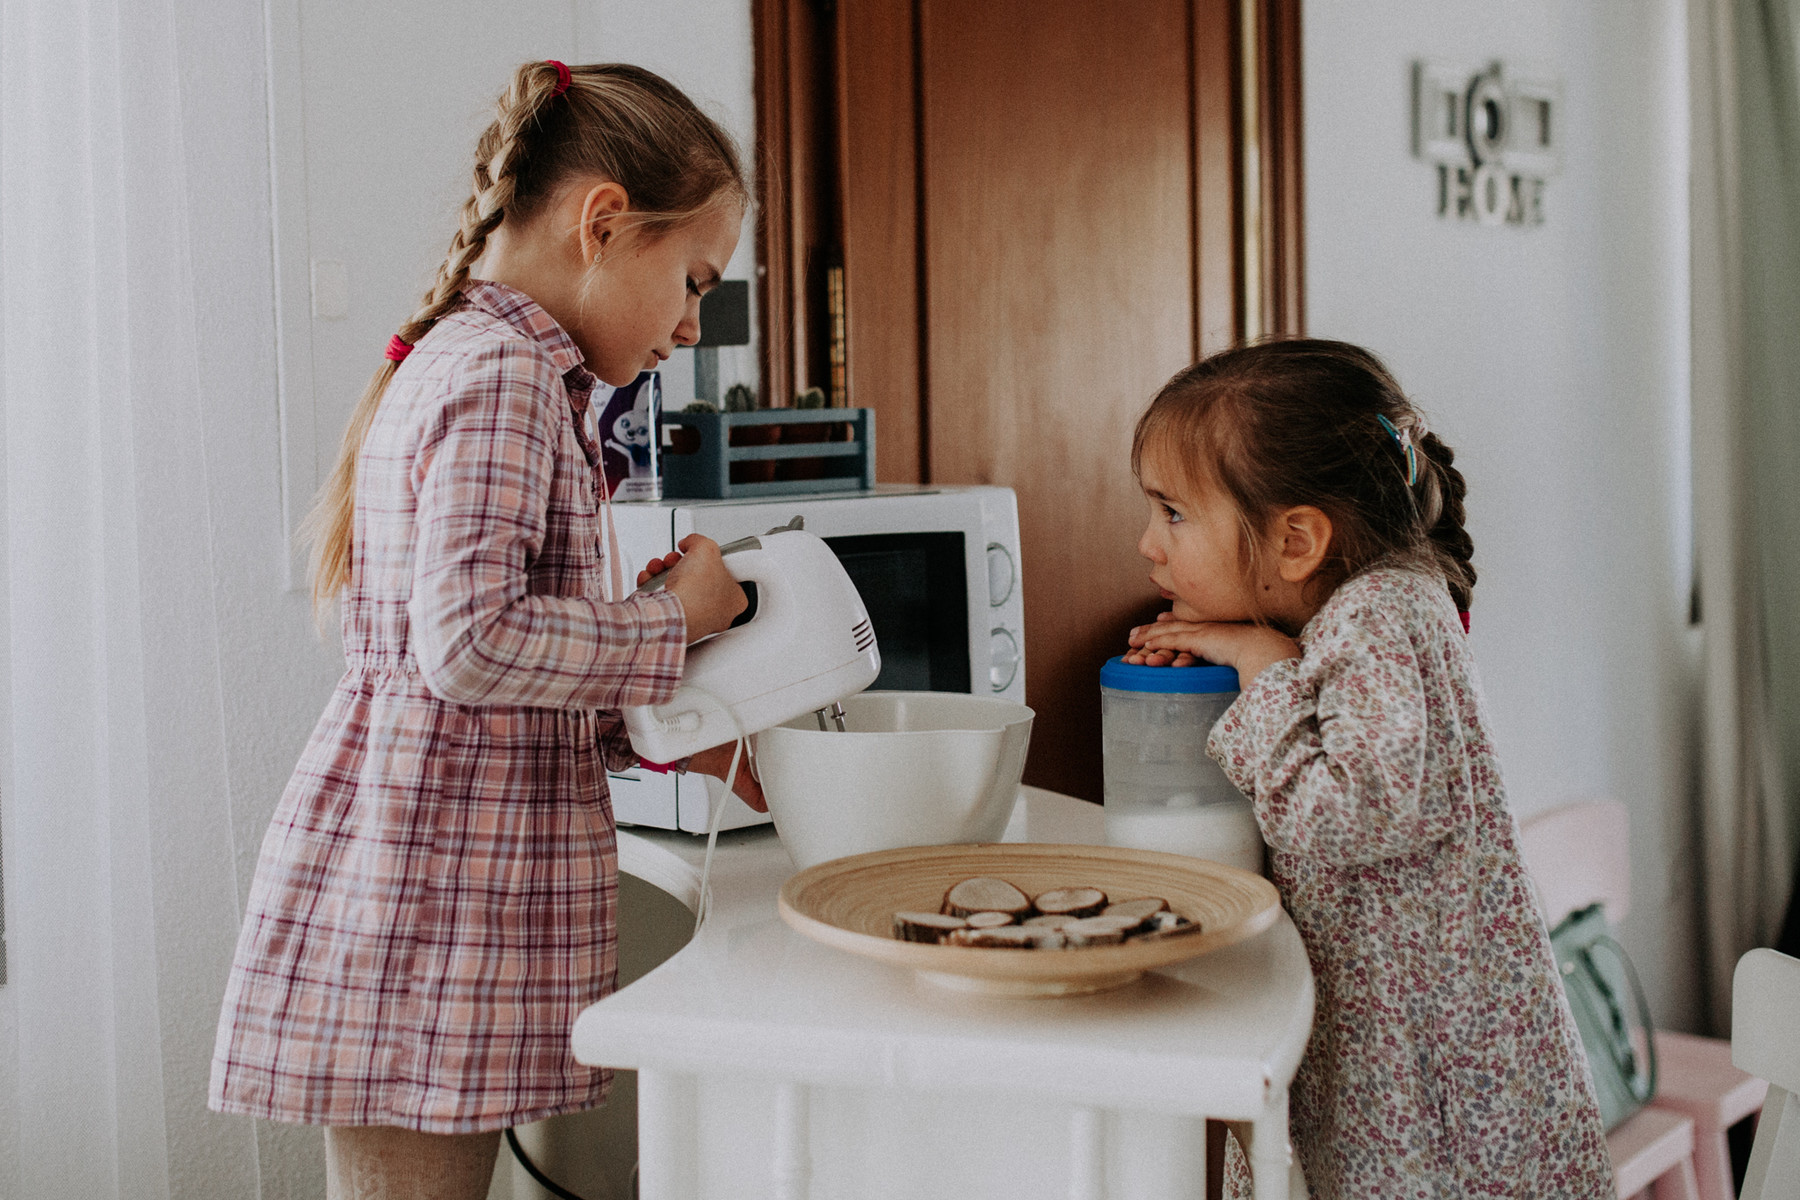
(1746, 403)
(120, 895)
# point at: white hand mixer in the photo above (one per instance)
(804, 644)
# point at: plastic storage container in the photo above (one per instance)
(1162, 791)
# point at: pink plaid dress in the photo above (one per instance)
(434, 903)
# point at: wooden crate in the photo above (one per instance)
(700, 450)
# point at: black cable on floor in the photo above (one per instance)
(531, 1169)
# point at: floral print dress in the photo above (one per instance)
(1443, 1060)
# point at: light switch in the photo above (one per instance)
(330, 290)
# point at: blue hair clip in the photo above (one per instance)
(1405, 444)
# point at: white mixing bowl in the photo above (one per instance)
(914, 769)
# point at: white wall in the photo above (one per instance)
(1555, 359)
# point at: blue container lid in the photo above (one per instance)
(1129, 677)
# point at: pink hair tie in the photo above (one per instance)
(1464, 617)
(562, 77)
(397, 350)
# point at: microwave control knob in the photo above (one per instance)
(1003, 659)
(1000, 575)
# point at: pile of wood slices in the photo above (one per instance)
(992, 913)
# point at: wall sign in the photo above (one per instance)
(1493, 139)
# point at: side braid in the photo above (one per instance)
(331, 525)
(491, 197)
(1450, 541)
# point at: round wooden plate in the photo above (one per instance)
(850, 903)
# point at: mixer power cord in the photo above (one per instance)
(738, 753)
(531, 1169)
(717, 805)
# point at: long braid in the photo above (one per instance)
(331, 525)
(495, 184)
(1451, 544)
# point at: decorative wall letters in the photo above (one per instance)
(1494, 141)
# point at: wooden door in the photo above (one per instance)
(1042, 209)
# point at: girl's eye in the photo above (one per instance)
(1175, 518)
(693, 288)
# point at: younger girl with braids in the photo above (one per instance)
(434, 902)
(1309, 530)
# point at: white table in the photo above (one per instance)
(769, 1065)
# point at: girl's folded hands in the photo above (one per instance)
(1174, 642)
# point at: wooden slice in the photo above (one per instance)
(988, 920)
(1098, 931)
(924, 926)
(1071, 902)
(1165, 924)
(1006, 937)
(1048, 922)
(1140, 911)
(985, 894)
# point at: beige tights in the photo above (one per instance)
(379, 1162)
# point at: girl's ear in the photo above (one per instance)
(1303, 537)
(603, 208)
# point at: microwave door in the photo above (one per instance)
(915, 587)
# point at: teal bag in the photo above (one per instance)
(1596, 972)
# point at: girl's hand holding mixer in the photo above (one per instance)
(709, 596)
(712, 600)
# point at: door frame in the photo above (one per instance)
(817, 208)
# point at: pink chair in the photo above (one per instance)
(1577, 856)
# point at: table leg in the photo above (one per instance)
(1087, 1155)
(793, 1151)
(1270, 1155)
(668, 1136)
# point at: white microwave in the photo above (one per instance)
(938, 570)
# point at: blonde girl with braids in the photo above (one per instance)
(434, 901)
(1308, 529)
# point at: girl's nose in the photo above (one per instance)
(688, 332)
(1149, 547)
